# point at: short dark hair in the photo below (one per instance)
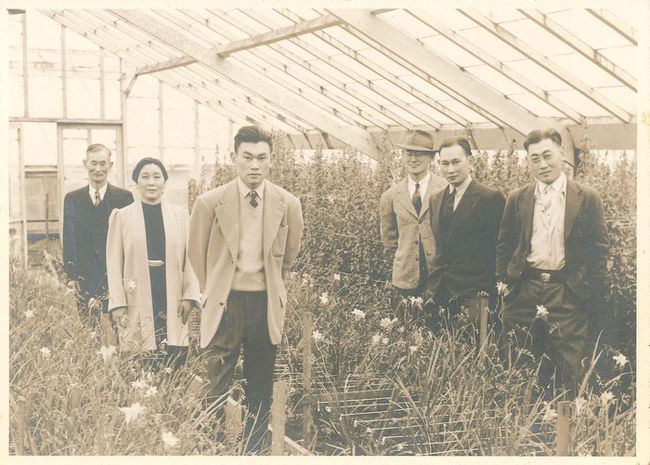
(253, 134)
(148, 161)
(460, 141)
(539, 135)
(94, 148)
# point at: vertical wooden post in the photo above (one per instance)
(64, 74)
(483, 303)
(562, 428)
(47, 218)
(306, 378)
(123, 143)
(278, 419)
(102, 86)
(233, 424)
(161, 136)
(197, 146)
(25, 68)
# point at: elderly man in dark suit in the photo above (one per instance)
(404, 215)
(551, 253)
(85, 227)
(465, 221)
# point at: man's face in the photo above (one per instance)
(417, 163)
(98, 164)
(253, 160)
(454, 164)
(545, 159)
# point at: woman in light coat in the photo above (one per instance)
(151, 285)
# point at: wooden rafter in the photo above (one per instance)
(377, 68)
(225, 104)
(494, 63)
(354, 136)
(581, 47)
(307, 66)
(561, 73)
(615, 23)
(343, 68)
(454, 81)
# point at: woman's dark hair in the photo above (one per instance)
(148, 161)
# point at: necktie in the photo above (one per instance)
(97, 197)
(254, 198)
(417, 200)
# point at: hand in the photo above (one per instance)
(119, 316)
(185, 309)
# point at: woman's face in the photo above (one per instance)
(151, 184)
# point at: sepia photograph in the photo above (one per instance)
(329, 230)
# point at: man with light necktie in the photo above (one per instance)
(551, 253)
(244, 236)
(85, 227)
(465, 221)
(405, 227)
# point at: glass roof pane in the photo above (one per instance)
(393, 90)
(585, 70)
(538, 75)
(632, 14)
(580, 103)
(304, 12)
(442, 46)
(424, 86)
(467, 113)
(241, 15)
(626, 57)
(401, 20)
(537, 37)
(383, 62)
(536, 106)
(452, 18)
(347, 38)
(365, 93)
(273, 19)
(433, 113)
(491, 44)
(318, 43)
(622, 96)
(502, 15)
(228, 30)
(346, 62)
(588, 28)
(296, 50)
(495, 79)
(404, 114)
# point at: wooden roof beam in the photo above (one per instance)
(581, 47)
(226, 105)
(578, 84)
(406, 87)
(495, 64)
(354, 75)
(354, 136)
(616, 24)
(458, 83)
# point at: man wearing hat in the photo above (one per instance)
(405, 225)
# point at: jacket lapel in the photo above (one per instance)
(227, 213)
(465, 206)
(274, 210)
(527, 208)
(573, 204)
(435, 212)
(139, 233)
(404, 197)
(171, 237)
(427, 198)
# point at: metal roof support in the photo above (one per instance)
(615, 23)
(354, 75)
(327, 38)
(354, 136)
(581, 47)
(456, 82)
(547, 64)
(495, 64)
(220, 104)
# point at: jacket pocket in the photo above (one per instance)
(280, 241)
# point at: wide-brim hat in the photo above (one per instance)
(418, 141)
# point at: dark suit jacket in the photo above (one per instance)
(585, 238)
(465, 260)
(84, 236)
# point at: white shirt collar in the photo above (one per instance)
(244, 190)
(102, 192)
(559, 185)
(460, 190)
(424, 183)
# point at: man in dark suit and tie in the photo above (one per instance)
(85, 226)
(404, 215)
(465, 221)
(551, 253)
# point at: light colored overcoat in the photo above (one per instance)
(402, 229)
(128, 274)
(214, 247)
